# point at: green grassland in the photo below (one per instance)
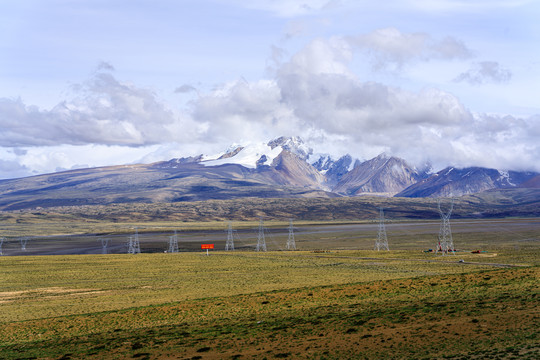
(302, 304)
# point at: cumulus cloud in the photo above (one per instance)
(184, 89)
(485, 72)
(103, 111)
(103, 65)
(316, 95)
(13, 169)
(390, 48)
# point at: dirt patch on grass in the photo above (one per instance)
(10, 296)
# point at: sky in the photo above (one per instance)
(87, 83)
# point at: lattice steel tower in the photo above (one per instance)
(134, 246)
(445, 244)
(382, 240)
(1, 242)
(229, 245)
(23, 241)
(173, 243)
(291, 243)
(261, 241)
(104, 244)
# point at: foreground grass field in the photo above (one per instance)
(305, 304)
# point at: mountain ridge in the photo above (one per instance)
(281, 168)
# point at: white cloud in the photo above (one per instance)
(390, 48)
(316, 95)
(186, 88)
(485, 72)
(103, 111)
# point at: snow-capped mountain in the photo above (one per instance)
(452, 181)
(249, 156)
(335, 170)
(283, 167)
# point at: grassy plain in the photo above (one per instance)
(334, 299)
(304, 304)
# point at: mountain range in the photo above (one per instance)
(282, 168)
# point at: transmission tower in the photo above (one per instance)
(291, 244)
(229, 246)
(173, 243)
(382, 240)
(261, 241)
(104, 245)
(23, 241)
(1, 242)
(133, 243)
(445, 244)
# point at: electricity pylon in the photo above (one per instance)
(104, 244)
(382, 240)
(229, 245)
(261, 241)
(133, 243)
(445, 244)
(173, 243)
(291, 244)
(1, 242)
(23, 241)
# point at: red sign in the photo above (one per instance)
(207, 246)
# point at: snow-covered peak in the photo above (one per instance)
(249, 156)
(257, 154)
(293, 144)
(504, 177)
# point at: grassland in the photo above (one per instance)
(334, 299)
(304, 304)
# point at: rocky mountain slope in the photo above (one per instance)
(382, 175)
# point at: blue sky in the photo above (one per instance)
(91, 83)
